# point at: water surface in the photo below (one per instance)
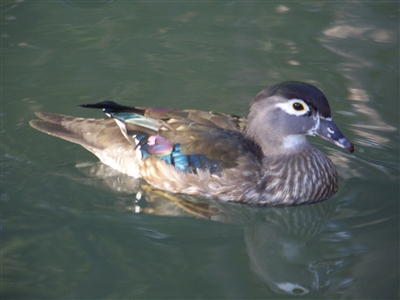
(67, 234)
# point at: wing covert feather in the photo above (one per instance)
(218, 136)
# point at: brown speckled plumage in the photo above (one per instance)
(264, 159)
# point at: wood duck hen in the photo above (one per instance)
(264, 159)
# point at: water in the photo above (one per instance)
(67, 234)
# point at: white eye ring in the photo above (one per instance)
(289, 107)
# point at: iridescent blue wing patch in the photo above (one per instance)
(171, 154)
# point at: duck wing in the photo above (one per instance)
(207, 138)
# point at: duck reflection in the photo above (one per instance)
(281, 250)
(280, 241)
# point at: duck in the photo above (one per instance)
(264, 159)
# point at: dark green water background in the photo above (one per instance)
(66, 235)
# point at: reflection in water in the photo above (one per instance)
(280, 255)
(362, 33)
(348, 41)
(280, 241)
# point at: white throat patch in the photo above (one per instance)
(294, 141)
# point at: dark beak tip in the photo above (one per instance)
(346, 144)
(351, 148)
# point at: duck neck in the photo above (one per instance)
(273, 144)
(304, 176)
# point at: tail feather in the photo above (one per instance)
(102, 137)
(92, 134)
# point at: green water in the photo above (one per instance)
(67, 234)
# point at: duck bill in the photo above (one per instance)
(328, 130)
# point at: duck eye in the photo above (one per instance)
(298, 106)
